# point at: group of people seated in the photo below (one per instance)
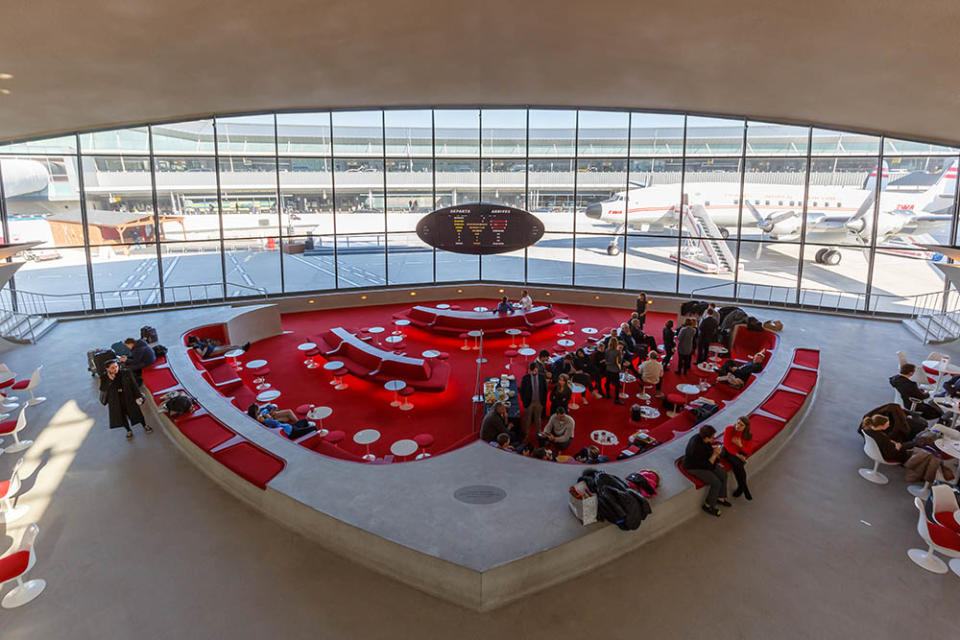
(704, 453)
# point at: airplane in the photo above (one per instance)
(21, 177)
(833, 213)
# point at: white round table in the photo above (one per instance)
(395, 386)
(256, 364)
(626, 378)
(403, 448)
(942, 369)
(950, 405)
(367, 437)
(233, 354)
(649, 412)
(376, 331)
(565, 342)
(475, 334)
(527, 352)
(307, 346)
(513, 333)
(707, 367)
(588, 330)
(268, 395)
(401, 322)
(393, 339)
(443, 305)
(577, 389)
(562, 322)
(480, 309)
(430, 353)
(337, 382)
(318, 414)
(688, 390)
(603, 438)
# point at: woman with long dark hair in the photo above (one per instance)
(120, 393)
(737, 446)
(613, 365)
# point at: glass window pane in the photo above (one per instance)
(899, 276)
(358, 133)
(595, 267)
(656, 134)
(552, 132)
(768, 139)
(649, 267)
(774, 188)
(43, 199)
(711, 185)
(303, 134)
(769, 272)
(701, 283)
(306, 195)
(183, 138)
(550, 261)
(504, 132)
(135, 140)
(187, 198)
(454, 267)
(60, 274)
(361, 260)
(246, 135)
(838, 189)
(503, 267)
(551, 193)
(248, 186)
(652, 200)
(308, 264)
(840, 143)
(192, 271)
(894, 147)
(458, 182)
(602, 133)
(410, 259)
(457, 132)
(359, 187)
(598, 180)
(409, 132)
(839, 286)
(253, 267)
(714, 136)
(409, 192)
(917, 205)
(119, 195)
(57, 146)
(504, 181)
(125, 276)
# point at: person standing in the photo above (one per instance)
(642, 308)
(526, 302)
(533, 394)
(120, 393)
(613, 362)
(737, 445)
(598, 368)
(668, 343)
(560, 395)
(685, 342)
(708, 334)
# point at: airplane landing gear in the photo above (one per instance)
(613, 249)
(724, 233)
(829, 257)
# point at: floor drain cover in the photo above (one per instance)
(480, 494)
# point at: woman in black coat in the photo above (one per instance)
(120, 393)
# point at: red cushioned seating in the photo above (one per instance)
(784, 404)
(7, 426)
(453, 321)
(943, 518)
(334, 437)
(696, 481)
(8, 383)
(342, 371)
(4, 488)
(463, 336)
(763, 429)
(407, 391)
(800, 379)
(21, 384)
(423, 439)
(243, 397)
(205, 432)
(250, 462)
(443, 356)
(211, 331)
(303, 409)
(807, 358)
(14, 565)
(158, 379)
(221, 373)
(510, 353)
(745, 343)
(318, 444)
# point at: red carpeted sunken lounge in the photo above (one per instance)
(439, 386)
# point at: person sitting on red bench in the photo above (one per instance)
(737, 445)
(700, 461)
(504, 306)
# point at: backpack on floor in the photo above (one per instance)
(148, 334)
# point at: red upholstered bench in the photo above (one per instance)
(210, 331)
(250, 462)
(221, 372)
(158, 379)
(800, 379)
(763, 428)
(745, 343)
(784, 404)
(205, 431)
(242, 398)
(807, 358)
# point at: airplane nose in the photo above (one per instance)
(594, 210)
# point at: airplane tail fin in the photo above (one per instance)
(871, 182)
(946, 184)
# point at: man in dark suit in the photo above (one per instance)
(910, 391)
(494, 423)
(630, 348)
(708, 334)
(533, 394)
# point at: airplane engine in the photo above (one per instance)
(21, 177)
(891, 222)
(784, 225)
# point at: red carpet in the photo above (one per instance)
(448, 416)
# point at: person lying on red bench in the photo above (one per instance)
(735, 374)
(284, 419)
(209, 348)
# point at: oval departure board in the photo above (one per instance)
(480, 228)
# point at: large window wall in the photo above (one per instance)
(263, 204)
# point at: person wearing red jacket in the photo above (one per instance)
(737, 446)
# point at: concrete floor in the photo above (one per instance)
(137, 543)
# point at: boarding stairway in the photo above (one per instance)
(24, 327)
(708, 251)
(935, 328)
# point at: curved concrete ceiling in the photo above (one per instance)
(882, 66)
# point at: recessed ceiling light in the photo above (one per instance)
(5, 92)
(6, 76)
